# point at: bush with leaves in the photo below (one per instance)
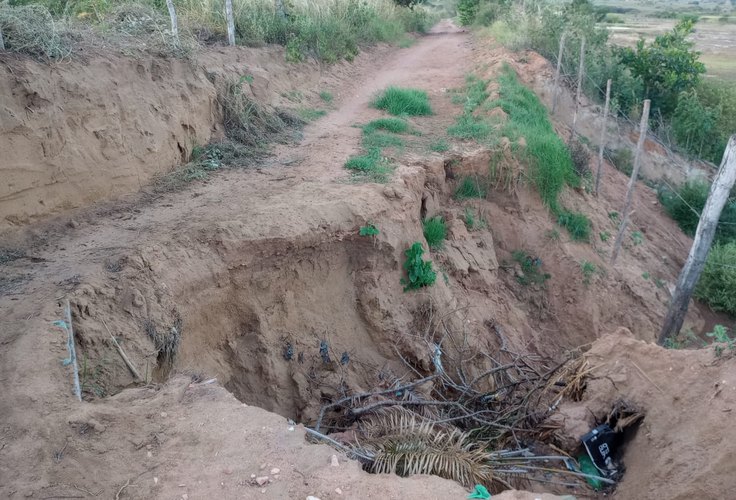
(686, 204)
(419, 272)
(717, 284)
(666, 67)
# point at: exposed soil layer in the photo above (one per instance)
(259, 278)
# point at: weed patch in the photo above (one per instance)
(380, 140)
(469, 127)
(531, 269)
(439, 146)
(717, 284)
(403, 101)
(576, 224)
(393, 125)
(472, 221)
(309, 115)
(469, 187)
(368, 230)
(326, 96)
(588, 269)
(435, 232)
(419, 272)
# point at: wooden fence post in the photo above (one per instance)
(230, 22)
(2, 40)
(557, 73)
(174, 20)
(602, 143)
(581, 70)
(632, 182)
(719, 193)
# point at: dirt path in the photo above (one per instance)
(298, 193)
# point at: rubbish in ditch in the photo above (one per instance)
(345, 358)
(324, 349)
(288, 352)
(600, 443)
(480, 491)
(587, 467)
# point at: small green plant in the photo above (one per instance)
(637, 237)
(326, 96)
(371, 166)
(645, 275)
(588, 269)
(404, 101)
(439, 146)
(380, 140)
(658, 282)
(721, 339)
(473, 222)
(614, 216)
(717, 284)
(309, 115)
(531, 269)
(684, 339)
(605, 235)
(368, 230)
(419, 272)
(469, 127)
(621, 159)
(435, 232)
(576, 224)
(390, 124)
(469, 187)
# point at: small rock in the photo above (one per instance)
(263, 490)
(310, 497)
(164, 414)
(252, 476)
(334, 462)
(73, 224)
(155, 480)
(263, 466)
(275, 470)
(149, 454)
(262, 480)
(338, 491)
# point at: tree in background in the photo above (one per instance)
(667, 67)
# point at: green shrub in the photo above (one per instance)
(368, 230)
(469, 187)
(685, 205)
(717, 284)
(435, 232)
(394, 125)
(419, 272)
(467, 10)
(403, 101)
(326, 96)
(577, 225)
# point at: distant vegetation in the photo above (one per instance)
(698, 114)
(324, 29)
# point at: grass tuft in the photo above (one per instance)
(391, 124)
(380, 140)
(435, 232)
(326, 96)
(403, 101)
(469, 187)
(577, 224)
(439, 146)
(309, 115)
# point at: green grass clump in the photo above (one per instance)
(379, 140)
(472, 221)
(309, 115)
(577, 224)
(588, 269)
(419, 272)
(326, 96)
(531, 269)
(475, 92)
(435, 232)
(371, 166)
(439, 146)
(717, 284)
(369, 230)
(469, 127)
(469, 187)
(391, 124)
(404, 101)
(550, 162)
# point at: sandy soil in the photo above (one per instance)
(247, 263)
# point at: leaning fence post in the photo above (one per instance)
(690, 274)
(557, 73)
(632, 182)
(581, 70)
(174, 20)
(602, 143)
(230, 22)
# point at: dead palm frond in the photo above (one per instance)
(404, 443)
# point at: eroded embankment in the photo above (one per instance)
(76, 132)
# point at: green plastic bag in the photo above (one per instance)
(586, 466)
